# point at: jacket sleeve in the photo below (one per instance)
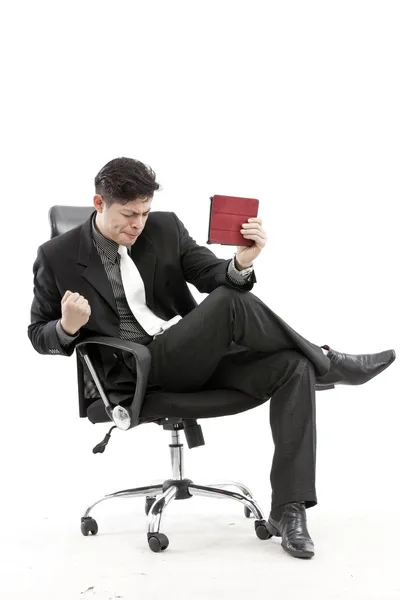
(236, 276)
(202, 268)
(46, 311)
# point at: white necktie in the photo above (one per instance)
(136, 296)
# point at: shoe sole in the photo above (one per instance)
(298, 554)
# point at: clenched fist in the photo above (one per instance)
(75, 311)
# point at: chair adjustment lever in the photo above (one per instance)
(99, 449)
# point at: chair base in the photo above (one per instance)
(158, 497)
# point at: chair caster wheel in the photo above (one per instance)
(149, 503)
(247, 513)
(89, 525)
(261, 530)
(157, 541)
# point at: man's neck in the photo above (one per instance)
(99, 228)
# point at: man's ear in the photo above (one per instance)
(98, 203)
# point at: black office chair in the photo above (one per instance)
(170, 410)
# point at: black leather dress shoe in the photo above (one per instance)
(292, 528)
(354, 369)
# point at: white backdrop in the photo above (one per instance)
(295, 103)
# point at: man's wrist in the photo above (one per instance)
(66, 330)
(241, 267)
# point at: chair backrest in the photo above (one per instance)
(64, 218)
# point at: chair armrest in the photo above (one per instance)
(124, 417)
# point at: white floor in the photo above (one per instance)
(45, 556)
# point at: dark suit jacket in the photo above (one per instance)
(166, 257)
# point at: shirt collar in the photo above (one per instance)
(109, 247)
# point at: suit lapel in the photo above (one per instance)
(94, 272)
(144, 257)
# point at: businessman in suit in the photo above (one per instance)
(123, 273)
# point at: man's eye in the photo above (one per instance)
(127, 216)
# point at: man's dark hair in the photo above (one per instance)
(124, 179)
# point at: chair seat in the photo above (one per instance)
(192, 405)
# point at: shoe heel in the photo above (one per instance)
(273, 530)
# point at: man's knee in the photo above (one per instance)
(225, 293)
(291, 364)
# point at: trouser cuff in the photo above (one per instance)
(308, 497)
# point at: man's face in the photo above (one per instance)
(122, 223)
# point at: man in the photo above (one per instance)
(123, 273)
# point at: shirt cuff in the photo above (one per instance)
(237, 276)
(64, 338)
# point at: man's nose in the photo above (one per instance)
(137, 223)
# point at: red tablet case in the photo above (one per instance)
(227, 213)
